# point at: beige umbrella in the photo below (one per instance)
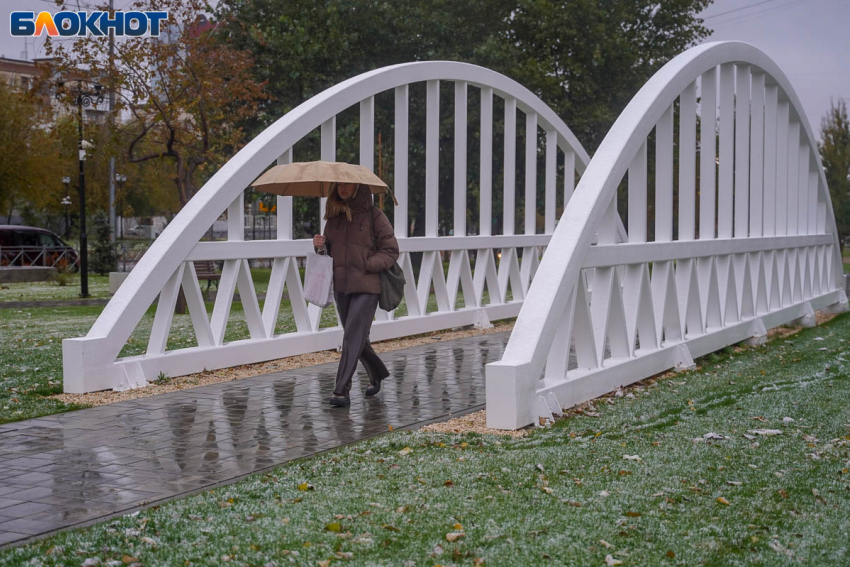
(315, 178)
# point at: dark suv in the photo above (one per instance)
(31, 246)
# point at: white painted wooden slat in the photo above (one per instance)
(793, 177)
(400, 157)
(687, 162)
(551, 180)
(781, 196)
(530, 213)
(224, 299)
(328, 153)
(274, 294)
(727, 151)
(771, 122)
(509, 166)
(569, 175)
(460, 159)
(707, 165)
(803, 191)
(664, 177)
(742, 151)
(284, 205)
(367, 133)
(757, 110)
(486, 164)
(196, 305)
(236, 218)
(812, 203)
(559, 355)
(248, 298)
(432, 157)
(637, 196)
(165, 312)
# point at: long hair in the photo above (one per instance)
(336, 206)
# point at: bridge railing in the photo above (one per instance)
(733, 233)
(93, 363)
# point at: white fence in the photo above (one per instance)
(91, 363)
(752, 245)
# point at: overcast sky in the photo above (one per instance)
(808, 39)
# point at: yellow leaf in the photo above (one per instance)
(722, 500)
(457, 527)
(305, 486)
(333, 527)
(390, 426)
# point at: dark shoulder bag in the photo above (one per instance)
(392, 279)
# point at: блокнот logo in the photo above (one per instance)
(27, 24)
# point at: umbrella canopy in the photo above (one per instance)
(315, 178)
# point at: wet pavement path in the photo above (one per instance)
(80, 467)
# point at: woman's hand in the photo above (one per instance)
(319, 241)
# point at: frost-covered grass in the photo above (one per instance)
(52, 291)
(638, 483)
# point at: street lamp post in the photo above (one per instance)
(82, 98)
(120, 180)
(66, 202)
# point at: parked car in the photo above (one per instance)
(31, 246)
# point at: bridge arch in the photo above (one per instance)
(92, 362)
(756, 247)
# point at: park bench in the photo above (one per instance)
(205, 270)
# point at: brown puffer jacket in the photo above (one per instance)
(357, 259)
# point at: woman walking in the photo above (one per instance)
(359, 238)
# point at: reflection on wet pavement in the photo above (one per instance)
(66, 469)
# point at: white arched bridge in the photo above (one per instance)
(733, 234)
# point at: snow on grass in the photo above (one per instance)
(564, 495)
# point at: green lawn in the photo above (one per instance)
(640, 483)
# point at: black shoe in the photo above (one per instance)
(339, 402)
(374, 388)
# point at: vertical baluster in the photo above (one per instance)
(781, 200)
(401, 160)
(707, 165)
(793, 176)
(803, 191)
(510, 166)
(460, 159)
(530, 213)
(328, 133)
(664, 177)
(687, 162)
(367, 133)
(727, 155)
(771, 136)
(284, 205)
(486, 163)
(569, 174)
(757, 156)
(551, 180)
(637, 196)
(432, 157)
(812, 199)
(742, 151)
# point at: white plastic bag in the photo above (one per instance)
(319, 280)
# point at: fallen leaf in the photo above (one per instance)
(766, 432)
(546, 489)
(712, 435)
(457, 526)
(782, 493)
(632, 458)
(610, 561)
(670, 554)
(787, 420)
(454, 536)
(631, 514)
(723, 501)
(604, 494)
(402, 509)
(405, 451)
(733, 483)
(325, 563)
(306, 486)
(344, 554)
(333, 527)
(127, 559)
(750, 437)
(539, 466)
(390, 528)
(448, 483)
(605, 543)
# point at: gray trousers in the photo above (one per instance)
(356, 311)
